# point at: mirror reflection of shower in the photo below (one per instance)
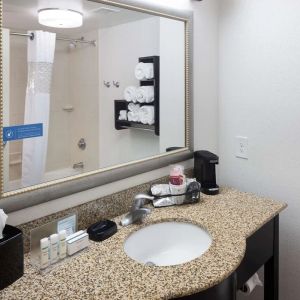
(31, 161)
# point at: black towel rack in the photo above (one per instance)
(123, 104)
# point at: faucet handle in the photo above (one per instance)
(140, 200)
(136, 216)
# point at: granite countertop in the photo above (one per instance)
(104, 271)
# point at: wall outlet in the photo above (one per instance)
(241, 150)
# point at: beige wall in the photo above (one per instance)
(18, 78)
(5, 91)
(259, 98)
(172, 84)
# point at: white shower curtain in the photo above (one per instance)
(40, 57)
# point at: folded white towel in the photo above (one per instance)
(146, 114)
(160, 189)
(130, 94)
(145, 94)
(144, 71)
(133, 116)
(123, 115)
(134, 107)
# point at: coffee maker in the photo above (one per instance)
(205, 171)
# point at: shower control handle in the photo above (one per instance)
(81, 144)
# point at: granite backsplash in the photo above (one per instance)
(103, 208)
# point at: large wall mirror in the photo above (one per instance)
(90, 87)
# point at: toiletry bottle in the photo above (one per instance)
(62, 244)
(44, 244)
(53, 248)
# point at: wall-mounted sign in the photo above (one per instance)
(20, 132)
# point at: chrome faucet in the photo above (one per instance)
(137, 213)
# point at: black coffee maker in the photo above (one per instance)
(205, 171)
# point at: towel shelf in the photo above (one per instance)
(134, 125)
(123, 104)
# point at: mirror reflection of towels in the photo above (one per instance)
(145, 94)
(144, 71)
(130, 94)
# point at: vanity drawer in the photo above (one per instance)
(259, 250)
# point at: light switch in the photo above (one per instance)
(241, 150)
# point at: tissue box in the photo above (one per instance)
(11, 256)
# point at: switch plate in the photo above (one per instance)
(241, 150)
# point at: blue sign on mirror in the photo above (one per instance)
(20, 132)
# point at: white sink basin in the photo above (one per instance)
(167, 244)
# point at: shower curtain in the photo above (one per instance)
(40, 57)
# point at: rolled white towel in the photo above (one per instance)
(133, 116)
(144, 71)
(130, 94)
(134, 107)
(145, 94)
(146, 114)
(123, 115)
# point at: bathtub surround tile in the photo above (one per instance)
(88, 213)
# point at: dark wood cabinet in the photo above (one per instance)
(262, 250)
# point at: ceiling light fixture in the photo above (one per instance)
(60, 18)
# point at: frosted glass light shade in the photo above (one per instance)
(60, 18)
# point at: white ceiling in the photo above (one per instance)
(22, 15)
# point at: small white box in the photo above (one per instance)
(77, 243)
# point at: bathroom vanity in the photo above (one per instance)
(262, 249)
(244, 231)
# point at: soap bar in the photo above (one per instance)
(77, 243)
(102, 230)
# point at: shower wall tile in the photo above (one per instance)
(17, 98)
(84, 92)
(61, 141)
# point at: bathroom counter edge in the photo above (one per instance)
(104, 271)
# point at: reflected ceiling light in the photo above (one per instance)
(60, 18)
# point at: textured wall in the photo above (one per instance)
(259, 98)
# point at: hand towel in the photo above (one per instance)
(123, 115)
(133, 116)
(145, 94)
(130, 94)
(133, 107)
(146, 114)
(144, 71)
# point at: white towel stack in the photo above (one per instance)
(133, 114)
(123, 115)
(134, 107)
(146, 114)
(143, 114)
(130, 94)
(144, 71)
(145, 94)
